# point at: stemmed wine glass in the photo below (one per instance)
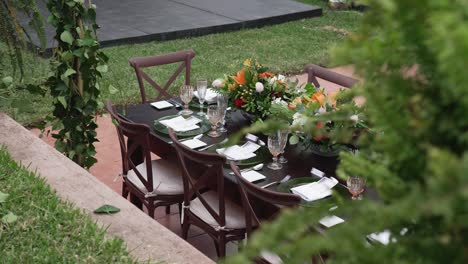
(222, 100)
(284, 133)
(274, 145)
(186, 94)
(201, 90)
(356, 185)
(214, 115)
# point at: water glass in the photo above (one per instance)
(356, 185)
(201, 90)
(274, 145)
(284, 135)
(214, 115)
(222, 100)
(186, 95)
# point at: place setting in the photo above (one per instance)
(191, 126)
(203, 97)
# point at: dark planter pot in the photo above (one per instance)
(251, 118)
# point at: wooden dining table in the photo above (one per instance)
(300, 161)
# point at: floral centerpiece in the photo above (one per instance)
(253, 89)
(324, 123)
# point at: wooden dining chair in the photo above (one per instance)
(248, 190)
(154, 182)
(313, 71)
(205, 204)
(139, 63)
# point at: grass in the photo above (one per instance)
(48, 230)
(285, 48)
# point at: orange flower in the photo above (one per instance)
(232, 87)
(332, 98)
(318, 97)
(240, 77)
(294, 103)
(320, 125)
(247, 62)
(265, 75)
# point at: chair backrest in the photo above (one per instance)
(115, 120)
(247, 188)
(137, 144)
(314, 71)
(201, 172)
(138, 63)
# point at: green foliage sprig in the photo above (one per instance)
(74, 87)
(411, 55)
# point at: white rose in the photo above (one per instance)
(299, 120)
(355, 118)
(280, 102)
(273, 80)
(218, 83)
(281, 77)
(259, 87)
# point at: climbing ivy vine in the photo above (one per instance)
(74, 86)
(13, 34)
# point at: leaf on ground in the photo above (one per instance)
(9, 218)
(107, 209)
(3, 197)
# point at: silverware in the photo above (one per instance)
(285, 179)
(185, 139)
(175, 103)
(255, 168)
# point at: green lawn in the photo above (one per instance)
(284, 48)
(47, 229)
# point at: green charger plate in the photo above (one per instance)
(205, 126)
(262, 155)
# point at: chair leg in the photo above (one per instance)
(185, 229)
(151, 210)
(222, 245)
(216, 244)
(124, 190)
(168, 209)
(136, 201)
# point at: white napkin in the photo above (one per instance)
(330, 221)
(382, 237)
(316, 190)
(250, 147)
(194, 143)
(181, 124)
(252, 176)
(210, 96)
(162, 105)
(237, 152)
(317, 172)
